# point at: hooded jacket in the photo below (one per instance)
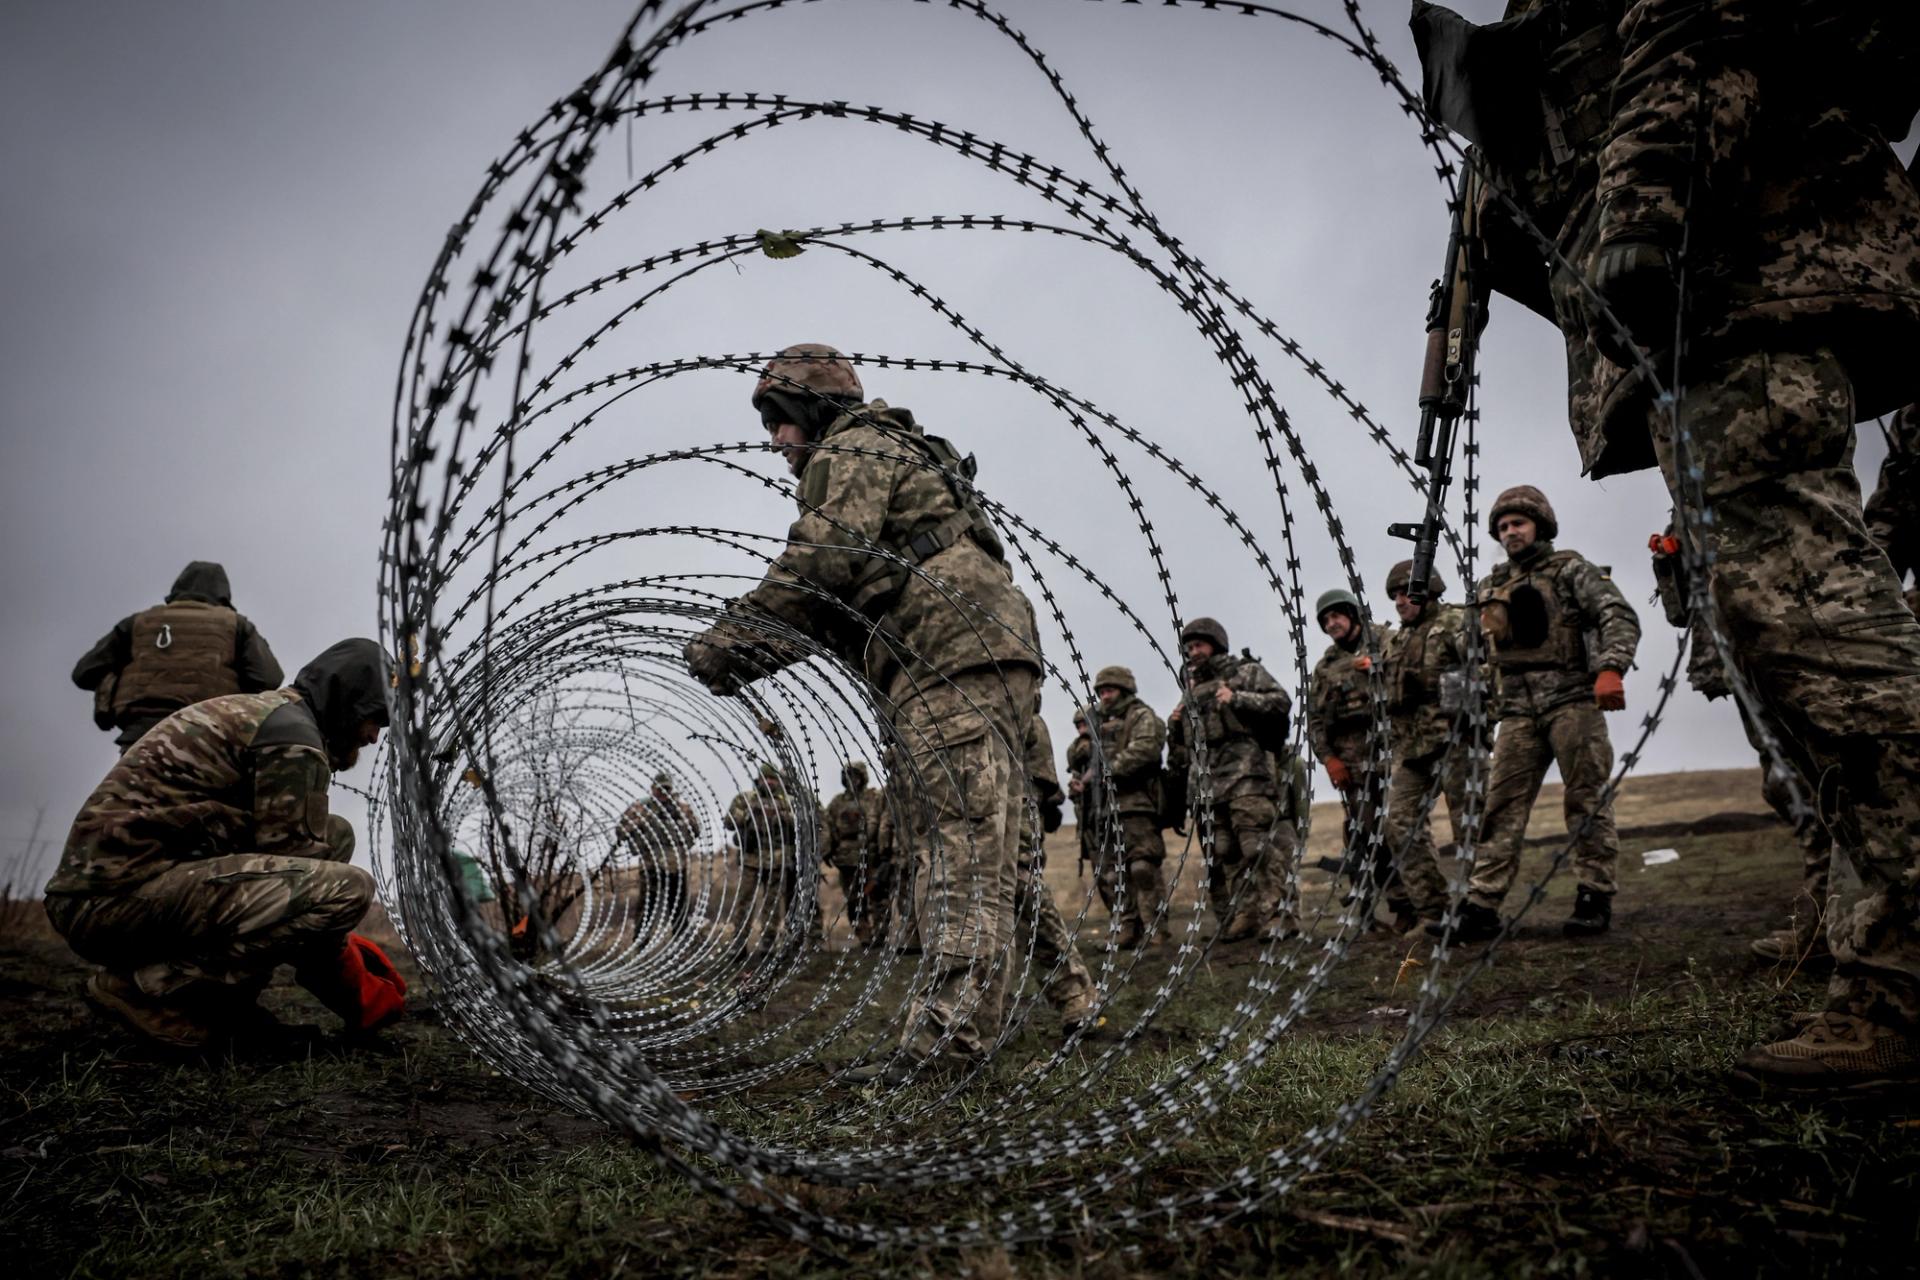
(344, 686)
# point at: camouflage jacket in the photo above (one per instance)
(245, 773)
(662, 831)
(1418, 658)
(1131, 738)
(1044, 781)
(1804, 225)
(1338, 708)
(1238, 762)
(869, 498)
(1551, 623)
(852, 827)
(762, 821)
(1086, 801)
(1893, 512)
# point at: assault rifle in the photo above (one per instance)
(1456, 308)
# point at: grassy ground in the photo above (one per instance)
(1575, 1117)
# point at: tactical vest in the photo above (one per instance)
(1531, 626)
(1407, 688)
(1346, 697)
(182, 653)
(1221, 724)
(882, 578)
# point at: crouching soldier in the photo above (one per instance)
(206, 857)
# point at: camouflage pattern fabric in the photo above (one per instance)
(1086, 796)
(660, 831)
(761, 819)
(1418, 886)
(1130, 878)
(1340, 724)
(1581, 624)
(1417, 658)
(851, 829)
(200, 858)
(1893, 512)
(1066, 984)
(1574, 735)
(1823, 634)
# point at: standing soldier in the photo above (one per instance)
(1723, 177)
(191, 648)
(894, 566)
(1086, 800)
(1068, 985)
(207, 857)
(1340, 721)
(1426, 675)
(1127, 776)
(852, 847)
(1240, 714)
(660, 832)
(762, 822)
(1559, 636)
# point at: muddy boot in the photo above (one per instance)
(1245, 924)
(1793, 946)
(1474, 923)
(1077, 1016)
(1129, 935)
(1282, 927)
(1592, 914)
(174, 1024)
(1837, 1051)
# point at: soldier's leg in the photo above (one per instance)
(1068, 986)
(964, 740)
(1253, 815)
(1420, 891)
(1146, 854)
(1581, 746)
(1815, 619)
(1805, 937)
(1521, 757)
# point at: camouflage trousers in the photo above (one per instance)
(1816, 622)
(1813, 905)
(1129, 878)
(1067, 985)
(227, 920)
(768, 897)
(868, 889)
(661, 907)
(1573, 735)
(1361, 804)
(964, 736)
(1252, 857)
(1418, 886)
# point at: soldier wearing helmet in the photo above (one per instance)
(1559, 638)
(765, 829)
(1086, 800)
(1233, 716)
(1340, 720)
(894, 566)
(851, 841)
(1425, 673)
(1125, 773)
(659, 832)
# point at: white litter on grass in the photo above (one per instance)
(1659, 857)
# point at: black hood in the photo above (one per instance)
(345, 685)
(205, 581)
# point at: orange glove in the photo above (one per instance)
(1664, 544)
(1609, 693)
(1337, 772)
(360, 985)
(1363, 663)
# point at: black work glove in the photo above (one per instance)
(1635, 278)
(1051, 816)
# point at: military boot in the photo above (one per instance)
(1474, 923)
(175, 1024)
(1129, 935)
(1837, 1051)
(1793, 946)
(1245, 924)
(1592, 914)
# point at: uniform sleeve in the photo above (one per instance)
(111, 654)
(1039, 762)
(1137, 755)
(290, 800)
(1319, 738)
(1256, 693)
(1607, 609)
(258, 668)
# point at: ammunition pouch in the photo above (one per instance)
(1454, 691)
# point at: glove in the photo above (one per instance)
(1609, 692)
(712, 665)
(1635, 279)
(360, 984)
(1051, 815)
(1337, 772)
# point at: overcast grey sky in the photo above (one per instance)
(218, 217)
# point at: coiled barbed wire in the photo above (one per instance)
(672, 989)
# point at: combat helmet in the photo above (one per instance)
(815, 367)
(1524, 500)
(1402, 573)
(1337, 599)
(1205, 629)
(1118, 677)
(853, 775)
(663, 781)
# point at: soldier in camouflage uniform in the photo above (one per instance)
(1086, 803)
(1425, 671)
(1893, 512)
(660, 832)
(894, 566)
(1069, 987)
(1340, 721)
(1240, 714)
(852, 848)
(191, 648)
(761, 819)
(206, 857)
(1125, 773)
(1761, 129)
(1551, 684)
